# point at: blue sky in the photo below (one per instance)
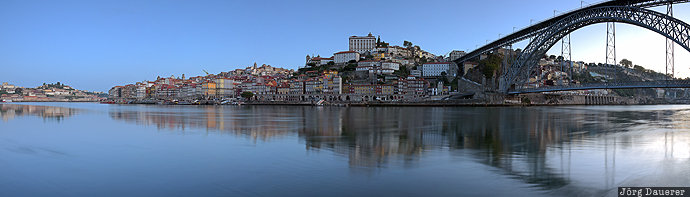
(95, 45)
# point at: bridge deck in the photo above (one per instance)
(622, 85)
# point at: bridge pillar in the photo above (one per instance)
(611, 43)
(669, 46)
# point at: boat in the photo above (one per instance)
(320, 102)
(7, 100)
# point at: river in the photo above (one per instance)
(89, 149)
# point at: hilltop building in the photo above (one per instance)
(362, 44)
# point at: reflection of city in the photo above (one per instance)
(540, 146)
(10, 111)
(258, 123)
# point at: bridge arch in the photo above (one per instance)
(525, 65)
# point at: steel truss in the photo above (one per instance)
(525, 65)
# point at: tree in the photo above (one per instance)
(402, 72)
(349, 67)
(490, 64)
(247, 95)
(407, 44)
(627, 63)
(639, 68)
(454, 84)
(444, 77)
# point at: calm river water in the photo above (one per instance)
(88, 149)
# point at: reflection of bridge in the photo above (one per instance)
(547, 33)
(614, 85)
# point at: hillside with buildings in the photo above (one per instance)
(372, 70)
(56, 92)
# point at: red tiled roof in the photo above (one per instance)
(321, 58)
(346, 52)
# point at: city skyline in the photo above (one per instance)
(96, 45)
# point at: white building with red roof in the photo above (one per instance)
(345, 56)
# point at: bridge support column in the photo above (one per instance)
(611, 43)
(566, 63)
(669, 47)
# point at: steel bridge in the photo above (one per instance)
(545, 34)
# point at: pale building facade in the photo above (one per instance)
(435, 69)
(362, 44)
(345, 56)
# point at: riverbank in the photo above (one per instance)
(482, 99)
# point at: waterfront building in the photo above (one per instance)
(225, 87)
(332, 83)
(362, 44)
(115, 92)
(296, 87)
(140, 91)
(345, 56)
(283, 88)
(209, 88)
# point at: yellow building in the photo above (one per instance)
(209, 88)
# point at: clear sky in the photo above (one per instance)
(94, 45)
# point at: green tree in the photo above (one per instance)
(247, 95)
(407, 44)
(639, 68)
(402, 72)
(627, 63)
(349, 67)
(454, 84)
(444, 78)
(490, 64)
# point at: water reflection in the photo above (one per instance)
(587, 150)
(11, 111)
